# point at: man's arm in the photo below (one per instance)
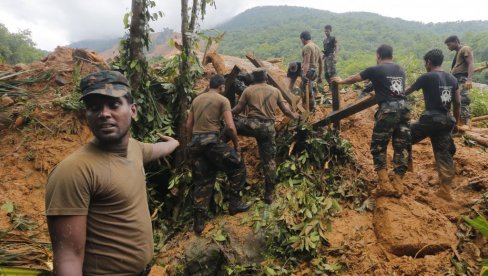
(231, 129)
(291, 83)
(162, 149)
(306, 63)
(189, 123)
(286, 110)
(457, 105)
(238, 108)
(349, 80)
(336, 50)
(68, 237)
(321, 68)
(470, 60)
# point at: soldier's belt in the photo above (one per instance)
(397, 104)
(262, 120)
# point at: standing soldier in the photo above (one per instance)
(330, 54)
(312, 61)
(440, 89)
(262, 100)
(462, 68)
(392, 119)
(210, 154)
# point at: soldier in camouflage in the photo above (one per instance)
(330, 54)
(210, 154)
(261, 101)
(440, 89)
(391, 119)
(463, 69)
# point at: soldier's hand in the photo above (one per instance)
(165, 138)
(296, 116)
(337, 80)
(319, 80)
(468, 84)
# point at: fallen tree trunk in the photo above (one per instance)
(217, 62)
(347, 111)
(480, 118)
(478, 138)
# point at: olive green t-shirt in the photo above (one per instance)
(208, 109)
(460, 65)
(314, 51)
(262, 100)
(110, 189)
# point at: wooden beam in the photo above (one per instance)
(274, 81)
(346, 111)
(229, 80)
(480, 118)
(336, 102)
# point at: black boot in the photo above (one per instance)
(268, 193)
(198, 221)
(237, 206)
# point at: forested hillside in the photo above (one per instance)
(274, 32)
(17, 47)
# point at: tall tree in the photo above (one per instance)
(136, 43)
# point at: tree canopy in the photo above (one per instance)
(17, 47)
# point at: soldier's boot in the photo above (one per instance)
(384, 188)
(397, 184)
(237, 206)
(446, 178)
(410, 165)
(198, 221)
(268, 193)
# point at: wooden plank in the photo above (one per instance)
(480, 118)
(274, 81)
(229, 93)
(346, 111)
(336, 102)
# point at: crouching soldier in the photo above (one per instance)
(262, 100)
(440, 89)
(210, 154)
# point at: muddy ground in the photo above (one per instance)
(413, 235)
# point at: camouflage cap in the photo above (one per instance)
(109, 83)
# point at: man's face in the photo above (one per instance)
(452, 45)
(327, 31)
(109, 118)
(221, 89)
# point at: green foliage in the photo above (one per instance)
(296, 224)
(274, 32)
(479, 223)
(479, 102)
(17, 47)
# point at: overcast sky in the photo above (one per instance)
(59, 22)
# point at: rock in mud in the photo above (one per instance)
(408, 228)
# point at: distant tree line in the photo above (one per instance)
(18, 47)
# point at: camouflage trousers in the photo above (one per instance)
(438, 127)
(465, 101)
(263, 130)
(209, 155)
(312, 92)
(391, 121)
(329, 68)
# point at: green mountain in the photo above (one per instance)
(273, 31)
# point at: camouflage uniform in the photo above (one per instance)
(312, 91)
(329, 67)
(392, 121)
(263, 130)
(465, 101)
(210, 154)
(438, 126)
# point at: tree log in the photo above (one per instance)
(480, 118)
(478, 138)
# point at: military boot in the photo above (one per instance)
(397, 184)
(237, 206)
(268, 193)
(198, 221)
(384, 188)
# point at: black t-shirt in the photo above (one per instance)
(329, 45)
(438, 88)
(388, 81)
(297, 73)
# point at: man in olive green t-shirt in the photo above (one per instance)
(261, 101)
(311, 68)
(210, 154)
(462, 68)
(96, 203)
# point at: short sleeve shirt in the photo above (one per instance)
(313, 51)
(388, 81)
(110, 189)
(208, 110)
(297, 73)
(262, 100)
(460, 65)
(438, 89)
(329, 45)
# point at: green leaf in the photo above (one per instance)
(172, 43)
(484, 262)
(126, 20)
(269, 271)
(479, 223)
(8, 207)
(219, 236)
